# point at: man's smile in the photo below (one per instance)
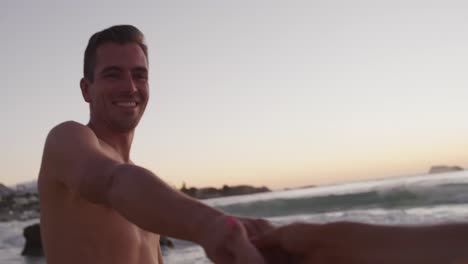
(126, 104)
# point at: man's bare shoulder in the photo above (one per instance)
(69, 150)
(70, 124)
(67, 138)
(75, 157)
(68, 129)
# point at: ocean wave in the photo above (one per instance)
(396, 197)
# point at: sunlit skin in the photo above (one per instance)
(117, 97)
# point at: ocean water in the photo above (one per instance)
(425, 199)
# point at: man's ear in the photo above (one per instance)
(84, 85)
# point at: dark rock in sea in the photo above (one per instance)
(443, 168)
(165, 242)
(33, 245)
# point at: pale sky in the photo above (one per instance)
(275, 93)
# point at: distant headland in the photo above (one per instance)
(444, 168)
(211, 192)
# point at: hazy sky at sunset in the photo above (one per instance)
(276, 93)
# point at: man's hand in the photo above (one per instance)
(256, 227)
(291, 241)
(225, 241)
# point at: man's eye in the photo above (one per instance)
(141, 77)
(112, 75)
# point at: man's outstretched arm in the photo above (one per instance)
(140, 196)
(356, 243)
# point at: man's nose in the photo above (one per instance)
(129, 85)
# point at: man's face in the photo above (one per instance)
(119, 93)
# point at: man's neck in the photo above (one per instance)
(121, 142)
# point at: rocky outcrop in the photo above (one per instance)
(443, 168)
(242, 190)
(5, 191)
(19, 206)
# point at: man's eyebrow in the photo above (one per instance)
(110, 68)
(140, 69)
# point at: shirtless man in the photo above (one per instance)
(97, 206)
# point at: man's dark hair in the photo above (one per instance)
(121, 34)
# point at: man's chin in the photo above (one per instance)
(124, 126)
